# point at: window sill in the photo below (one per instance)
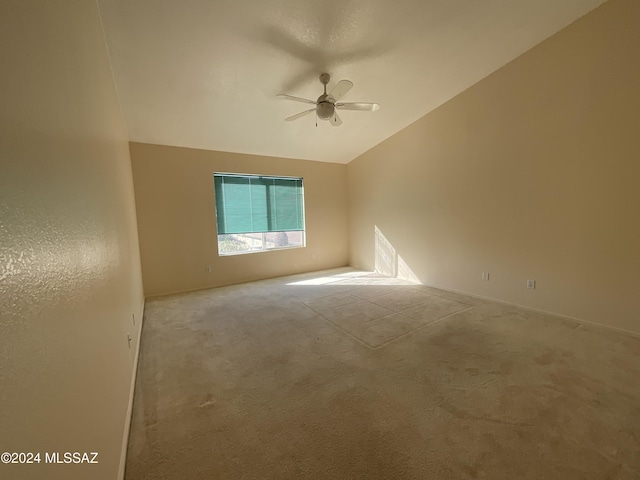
(248, 252)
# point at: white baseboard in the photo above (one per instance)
(132, 388)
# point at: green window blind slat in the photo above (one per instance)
(287, 216)
(259, 209)
(253, 204)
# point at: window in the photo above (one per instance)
(256, 213)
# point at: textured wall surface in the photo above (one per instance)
(69, 261)
(177, 218)
(532, 173)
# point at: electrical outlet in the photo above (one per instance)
(313, 256)
(531, 284)
(485, 276)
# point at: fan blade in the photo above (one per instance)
(335, 120)
(365, 107)
(340, 88)
(297, 99)
(298, 115)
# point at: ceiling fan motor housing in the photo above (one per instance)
(325, 107)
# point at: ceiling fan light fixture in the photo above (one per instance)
(325, 110)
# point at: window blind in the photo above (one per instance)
(256, 204)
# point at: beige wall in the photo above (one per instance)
(177, 220)
(69, 262)
(532, 173)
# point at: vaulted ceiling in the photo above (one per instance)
(205, 73)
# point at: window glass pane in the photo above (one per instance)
(240, 242)
(283, 239)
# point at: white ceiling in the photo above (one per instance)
(205, 73)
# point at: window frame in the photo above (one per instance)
(268, 199)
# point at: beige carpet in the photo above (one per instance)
(343, 375)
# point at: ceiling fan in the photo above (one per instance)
(327, 104)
